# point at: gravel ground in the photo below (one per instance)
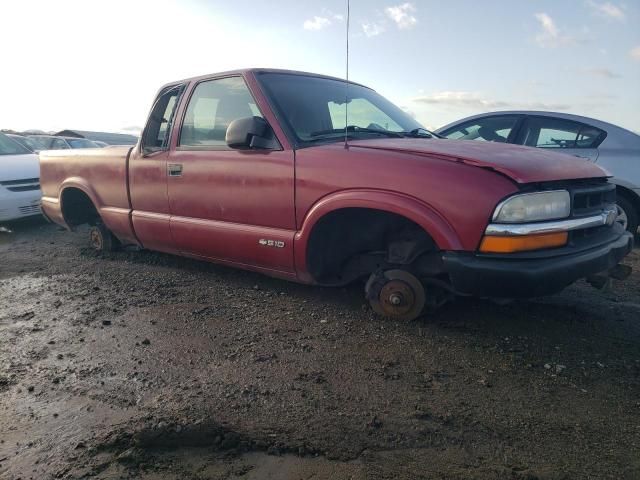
(147, 366)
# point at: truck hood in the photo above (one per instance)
(19, 167)
(521, 164)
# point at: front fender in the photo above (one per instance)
(443, 233)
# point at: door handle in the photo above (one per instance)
(174, 169)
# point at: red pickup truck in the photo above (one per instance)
(259, 169)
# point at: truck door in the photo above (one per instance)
(148, 175)
(234, 206)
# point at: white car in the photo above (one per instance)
(19, 181)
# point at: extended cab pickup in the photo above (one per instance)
(256, 169)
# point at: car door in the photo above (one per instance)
(490, 128)
(229, 205)
(148, 174)
(561, 135)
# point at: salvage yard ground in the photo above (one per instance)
(143, 365)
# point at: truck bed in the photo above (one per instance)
(100, 173)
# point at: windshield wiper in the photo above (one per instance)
(356, 129)
(420, 133)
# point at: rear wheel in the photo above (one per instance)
(101, 239)
(627, 215)
(396, 294)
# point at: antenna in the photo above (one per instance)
(346, 89)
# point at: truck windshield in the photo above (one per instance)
(314, 109)
(11, 147)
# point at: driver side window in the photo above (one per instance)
(214, 104)
(486, 129)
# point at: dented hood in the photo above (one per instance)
(522, 164)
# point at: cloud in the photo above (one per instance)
(371, 29)
(635, 53)
(602, 72)
(408, 111)
(608, 10)
(460, 99)
(132, 129)
(550, 36)
(472, 100)
(316, 23)
(401, 15)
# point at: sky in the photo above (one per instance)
(97, 64)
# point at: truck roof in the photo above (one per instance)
(243, 71)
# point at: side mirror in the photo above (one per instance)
(250, 132)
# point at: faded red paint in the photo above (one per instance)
(227, 200)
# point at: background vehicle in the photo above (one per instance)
(24, 141)
(52, 142)
(250, 169)
(100, 144)
(49, 142)
(19, 181)
(81, 143)
(615, 149)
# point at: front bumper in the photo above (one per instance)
(518, 277)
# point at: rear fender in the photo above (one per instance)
(115, 219)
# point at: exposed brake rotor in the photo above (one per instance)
(396, 294)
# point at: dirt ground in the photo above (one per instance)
(147, 366)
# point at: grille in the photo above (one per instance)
(588, 199)
(592, 200)
(23, 185)
(29, 209)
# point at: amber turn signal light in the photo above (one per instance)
(521, 243)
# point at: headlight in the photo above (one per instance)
(533, 207)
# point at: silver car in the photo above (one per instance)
(54, 142)
(615, 149)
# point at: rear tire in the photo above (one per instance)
(102, 240)
(627, 214)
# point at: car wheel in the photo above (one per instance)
(396, 294)
(627, 215)
(101, 239)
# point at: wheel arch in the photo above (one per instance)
(430, 220)
(633, 198)
(74, 189)
(629, 194)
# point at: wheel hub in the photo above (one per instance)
(396, 294)
(96, 239)
(396, 298)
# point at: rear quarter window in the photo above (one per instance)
(557, 133)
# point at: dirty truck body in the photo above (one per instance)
(250, 169)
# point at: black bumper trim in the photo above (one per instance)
(480, 276)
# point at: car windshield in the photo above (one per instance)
(80, 143)
(314, 109)
(11, 147)
(24, 141)
(42, 143)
